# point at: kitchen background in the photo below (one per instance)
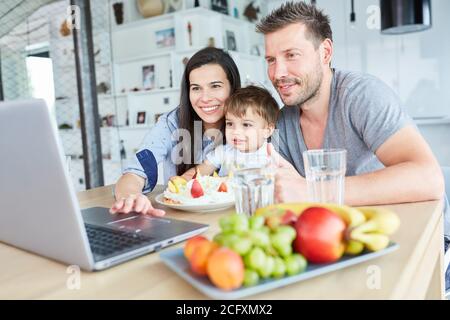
(140, 48)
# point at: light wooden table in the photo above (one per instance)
(414, 271)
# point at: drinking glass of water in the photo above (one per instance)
(325, 175)
(253, 187)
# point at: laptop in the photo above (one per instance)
(39, 208)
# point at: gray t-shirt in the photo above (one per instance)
(363, 113)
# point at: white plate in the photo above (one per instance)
(195, 207)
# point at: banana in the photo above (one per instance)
(172, 187)
(215, 175)
(180, 181)
(354, 247)
(372, 241)
(351, 216)
(379, 220)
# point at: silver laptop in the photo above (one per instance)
(39, 210)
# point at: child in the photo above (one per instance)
(250, 117)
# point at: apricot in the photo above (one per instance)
(225, 269)
(191, 244)
(199, 258)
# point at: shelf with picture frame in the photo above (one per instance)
(193, 29)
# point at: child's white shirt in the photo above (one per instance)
(224, 157)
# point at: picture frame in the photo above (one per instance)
(220, 6)
(148, 77)
(231, 40)
(141, 118)
(165, 38)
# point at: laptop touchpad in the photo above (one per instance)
(138, 223)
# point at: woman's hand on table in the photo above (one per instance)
(135, 203)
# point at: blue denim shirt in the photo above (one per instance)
(160, 143)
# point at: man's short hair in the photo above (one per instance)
(317, 23)
(257, 99)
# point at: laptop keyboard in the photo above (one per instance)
(106, 242)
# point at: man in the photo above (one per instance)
(388, 161)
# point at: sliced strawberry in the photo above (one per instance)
(223, 187)
(196, 190)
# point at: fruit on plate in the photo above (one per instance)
(295, 263)
(196, 190)
(374, 233)
(282, 239)
(175, 183)
(353, 247)
(378, 220)
(225, 269)
(372, 241)
(179, 181)
(192, 244)
(264, 250)
(251, 278)
(284, 212)
(172, 187)
(361, 223)
(223, 187)
(244, 252)
(200, 256)
(320, 235)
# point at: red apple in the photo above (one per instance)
(196, 190)
(320, 235)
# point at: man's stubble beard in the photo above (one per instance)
(309, 86)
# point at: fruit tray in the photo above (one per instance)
(176, 261)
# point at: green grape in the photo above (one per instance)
(295, 263)
(218, 238)
(229, 239)
(256, 222)
(270, 250)
(279, 268)
(242, 246)
(267, 269)
(280, 239)
(265, 229)
(226, 224)
(259, 238)
(282, 243)
(251, 277)
(255, 259)
(284, 251)
(288, 231)
(239, 223)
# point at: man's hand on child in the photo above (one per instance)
(290, 186)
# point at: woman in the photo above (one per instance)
(209, 78)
